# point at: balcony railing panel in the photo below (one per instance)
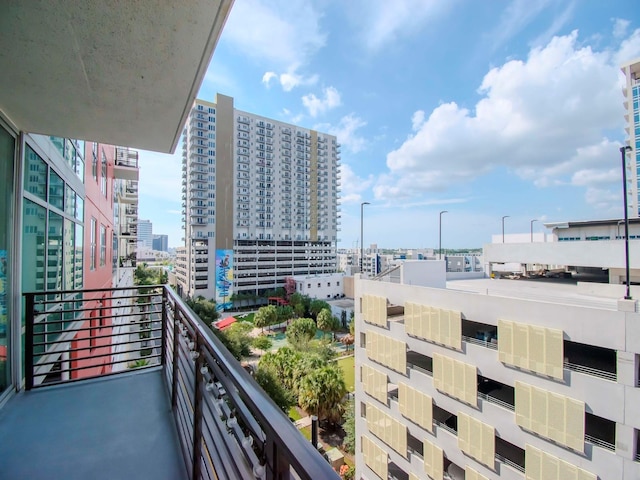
(227, 426)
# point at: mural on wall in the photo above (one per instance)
(224, 279)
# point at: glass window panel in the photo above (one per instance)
(7, 145)
(35, 174)
(54, 252)
(56, 190)
(103, 245)
(78, 253)
(33, 241)
(79, 208)
(70, 154)
(58, 142)
(70, 201)
(69, 250)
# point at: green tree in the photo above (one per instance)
(272, 387)
(236, 338)
(266, 316)
(285, 313)
(326, 321)
(262, 343)
(300, 332)
(343, 318)
(283, 363)
(205, 309)
(321, 393)
(317, 306)
(349, 427)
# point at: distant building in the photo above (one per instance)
(322, 287)
(145, 233)
(160, 243)
(260, 201)
(631, 91)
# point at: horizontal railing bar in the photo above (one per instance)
(92, 290)
(90, 329)
(79, 349)
(497, 401)
(599, 442)
(45, 313)
(591, 371)
(482, 343)
(511, 463)
(446, 427)
(93, 357)
(72, 380)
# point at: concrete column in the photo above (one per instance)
(626, 439)
(627, 368)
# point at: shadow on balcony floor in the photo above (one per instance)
(113, 428)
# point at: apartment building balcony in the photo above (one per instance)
(173, 404)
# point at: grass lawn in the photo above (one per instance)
(348, 367)
(306, 432)
(248, 317)
(293, 413)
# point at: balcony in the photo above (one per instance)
(187, 409)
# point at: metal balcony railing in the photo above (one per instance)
(600, 443)
(227, 426)
(482, 343)
(511, 463)
(496, 401)
(591, 371)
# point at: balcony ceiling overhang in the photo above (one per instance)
(122, 73)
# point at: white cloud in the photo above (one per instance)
(417, 120)
(620, 27)
(316, 106)
(352, 185)
(630, 48)
(539, 117)
(289, 80)
(380, 22)
(280, 34)
(346, 132)
(559, 20)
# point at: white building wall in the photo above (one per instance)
(322, 287)
(600, 325)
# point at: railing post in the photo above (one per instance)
(174, 356)
(277, 467)
(165, 325)
(197, 411)
(29, 319)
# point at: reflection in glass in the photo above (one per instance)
(35, 174)
(69, 250)
(54, 252)
(56, 190)
(7, 143)
(77, 282)
(70, 201)
(33, 238)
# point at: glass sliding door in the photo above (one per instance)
(7, 150)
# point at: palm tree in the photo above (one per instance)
(322, 392)
(325, 320)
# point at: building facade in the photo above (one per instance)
(145, 233)
(487, 379)
(160, 243)
(631, 91)
(260, 201)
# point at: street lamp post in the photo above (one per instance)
(362, 234)
(623, 154)
(530, 229)
(505, 216)
(440, 234)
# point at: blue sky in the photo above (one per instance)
(483, 109)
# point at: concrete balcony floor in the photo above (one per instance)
(110, 428)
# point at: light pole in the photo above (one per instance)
(362, 234)
(505, 216)
(530, 229)
(440, 234)
(623, 154)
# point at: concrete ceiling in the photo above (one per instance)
(118, 72)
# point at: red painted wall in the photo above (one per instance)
(99, 206)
